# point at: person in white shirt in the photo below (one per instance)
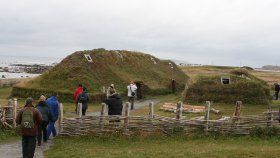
(131, 93)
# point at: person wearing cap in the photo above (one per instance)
(29, 129)
(53, 103)
(131, 93)
(47, 117)
(110, 88)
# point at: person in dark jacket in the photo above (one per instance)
(277, 89)
(47, 116)
(84, 99)
(29, 129)
(78, 90)
(53, 103)
(114, 103)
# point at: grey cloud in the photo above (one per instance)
(208, 32)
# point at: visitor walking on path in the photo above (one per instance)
(46, 116)
(84, 99)
(29, 118)
(78, 90)
(53, 103)
(277, 89)
(131, 93)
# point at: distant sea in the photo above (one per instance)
(7, 61)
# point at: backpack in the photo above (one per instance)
(45, 112)
(83, 98)
(27, 120)
(132, 92)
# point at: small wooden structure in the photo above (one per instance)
(8, 114)
(172, 107)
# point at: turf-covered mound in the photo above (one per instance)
(242, 87)
(107, 67)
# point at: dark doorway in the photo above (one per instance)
(140, 89)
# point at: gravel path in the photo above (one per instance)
(137, 105)
(14, 150)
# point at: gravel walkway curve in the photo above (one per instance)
(137, 105)
(14, 150)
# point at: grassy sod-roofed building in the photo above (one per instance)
(99, 68)
(228, 87)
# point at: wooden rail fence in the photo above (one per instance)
(152, 123)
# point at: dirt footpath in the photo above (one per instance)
(137, 105)
(13, 150)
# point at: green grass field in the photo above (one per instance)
(165, 147)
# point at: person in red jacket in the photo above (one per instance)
(78, 90)
(29, 118)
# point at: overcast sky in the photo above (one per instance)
(219, 32)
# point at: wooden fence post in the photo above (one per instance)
(179, 111)
(151, 113)
(270, 116)
(126, 113)
(207, 114)
(237, 110)
(60, 118)
(79, 108)
(103, 109)
(15, 112)
(101, 120)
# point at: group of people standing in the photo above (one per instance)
(37, 122)
(114, 101)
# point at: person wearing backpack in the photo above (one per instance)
(84, 99)
(28, 118)
(53, 104)
(47, 116)
(131, 93)
(78, 90)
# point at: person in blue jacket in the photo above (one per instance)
(53, 103)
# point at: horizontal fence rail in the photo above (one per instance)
(152, 123)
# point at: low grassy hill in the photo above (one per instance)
(107, 66)
(244, 86)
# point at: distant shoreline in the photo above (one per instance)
(8, 75)
(9, 82)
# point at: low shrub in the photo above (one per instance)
(265, 132)
(63, 96)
